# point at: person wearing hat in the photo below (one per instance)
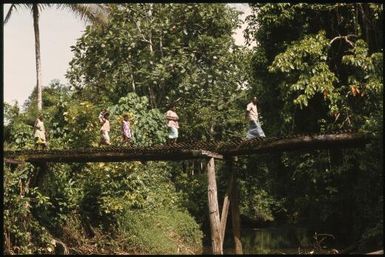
(172, 124)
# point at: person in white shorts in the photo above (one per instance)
(255, 129)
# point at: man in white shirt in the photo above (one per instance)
(255, 129)
(172, 124)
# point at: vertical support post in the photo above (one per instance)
(215, 224)
(41, 169)
(235, 218)
(226, 200)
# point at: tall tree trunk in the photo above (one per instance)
(152, 54)
(148, 40)
(35, 11)
(7, 241)
(365, 24)
(133, 83)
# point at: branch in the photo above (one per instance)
(377, 252)
(141, 33)
(345, 38)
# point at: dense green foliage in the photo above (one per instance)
(315, 68)
(318, 66)
(21, 229)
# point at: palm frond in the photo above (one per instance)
(14, 8)
(43, 6)
(9, 13)
(96, 13)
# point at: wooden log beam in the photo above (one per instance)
(327, 141)
(211, 154)
(13, 161)
(66, 156)
(215, 224)
(381, 252)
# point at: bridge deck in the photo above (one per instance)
(190, 150)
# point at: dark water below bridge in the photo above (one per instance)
(276, 240)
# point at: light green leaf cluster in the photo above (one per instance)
(367, 68)
(305, 65)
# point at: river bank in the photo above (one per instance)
(281, 240)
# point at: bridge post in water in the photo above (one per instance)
(235, 214)
(215, 223)
(227, 199)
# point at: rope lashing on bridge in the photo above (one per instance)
(192, 150)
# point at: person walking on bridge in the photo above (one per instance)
(105, 129)
(172, 123)
(126, 129)
(39, 133)
(255, 129)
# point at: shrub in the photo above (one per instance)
(163, 231)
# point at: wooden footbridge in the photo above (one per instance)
(198, 150)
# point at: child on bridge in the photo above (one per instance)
(126, 129)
